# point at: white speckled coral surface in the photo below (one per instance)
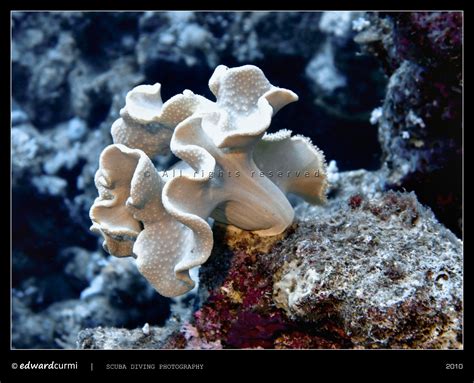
(230, 170)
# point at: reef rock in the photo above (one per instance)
(420, 120)
(382, 270)
(376, 273)
(365, 272)
(111, 338)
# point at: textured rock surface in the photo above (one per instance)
(110, 338)
(420, 120)
(376, 272)
(384, 269)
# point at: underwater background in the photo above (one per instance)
(377, 91)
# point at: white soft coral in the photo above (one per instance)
(230, 170)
